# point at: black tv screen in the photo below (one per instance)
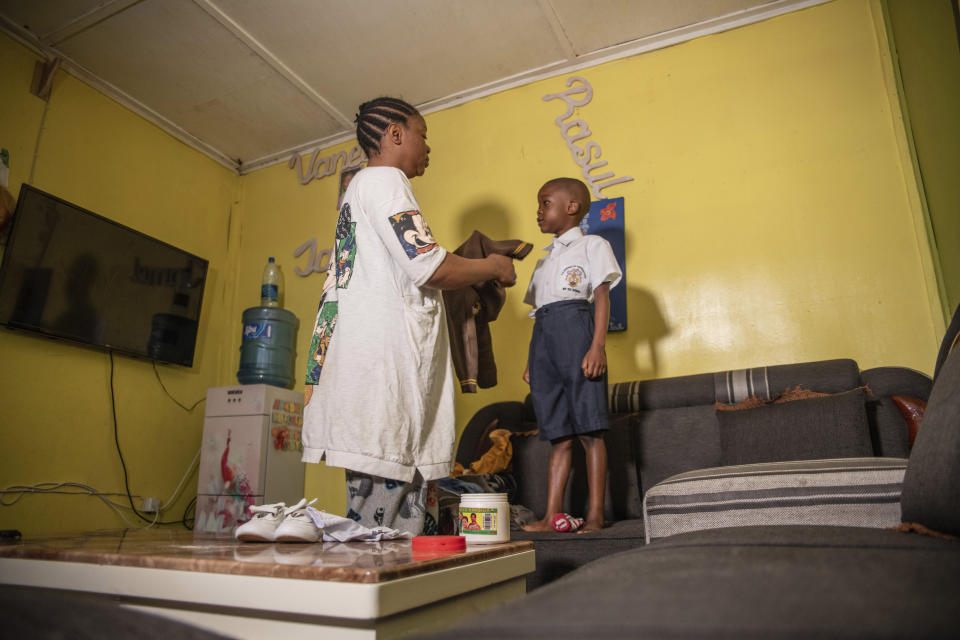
(72, 274)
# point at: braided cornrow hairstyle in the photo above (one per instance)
(374, 118)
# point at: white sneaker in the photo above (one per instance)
(297, 525)
(261, 527)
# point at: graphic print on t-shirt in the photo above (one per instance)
(320, 343)
(346, 243)
(413, 233)
(338, 277)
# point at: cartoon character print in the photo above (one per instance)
(323, 327)
(339, 273)
(573, 277)
(346, 245)
(413, 233)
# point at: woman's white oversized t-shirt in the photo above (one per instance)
(383, 400)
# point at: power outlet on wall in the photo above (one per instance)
(151, 505)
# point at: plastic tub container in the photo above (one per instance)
(484, 518)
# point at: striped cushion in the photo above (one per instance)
(855, 492)
(731, 387)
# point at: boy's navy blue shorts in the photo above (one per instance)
(566, 402)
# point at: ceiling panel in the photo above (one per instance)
(591, 25)
(43, 17)
(250, 81)
(421, 50)
(174, 57)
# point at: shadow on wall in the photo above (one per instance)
(646, 327)
(490, 218)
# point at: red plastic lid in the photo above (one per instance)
(439, 543)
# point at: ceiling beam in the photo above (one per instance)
(558, 31)
(275, 62)
(85, 21)
(68, 64)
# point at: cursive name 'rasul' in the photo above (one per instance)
(579, 93)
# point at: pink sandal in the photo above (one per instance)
(564, 522)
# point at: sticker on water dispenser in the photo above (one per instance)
(257, 330)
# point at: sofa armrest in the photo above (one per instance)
(855, 492)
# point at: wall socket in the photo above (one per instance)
(150, 505)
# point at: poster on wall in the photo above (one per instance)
(606, 220)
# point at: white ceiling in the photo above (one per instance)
(249, 82)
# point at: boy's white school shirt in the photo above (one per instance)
(383, 403)
(574, 266)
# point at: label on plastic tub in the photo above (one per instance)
(478, 521)
(485, 518)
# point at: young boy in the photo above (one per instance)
(567, 362)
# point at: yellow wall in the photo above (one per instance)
(925, 35)
(773, 217)
(55, 407)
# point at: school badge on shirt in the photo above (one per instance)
(573, 277)
(413, 233)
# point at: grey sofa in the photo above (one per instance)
(661, 428)
(769, 581)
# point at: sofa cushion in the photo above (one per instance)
(814, 428)
(884, 382)
(855, 492)
(750, 582)
(765, 383)
(931, 485)
(949, 342)
(729, 387)
(671, 441)
(664, 393)
(889, 431)
(888, 427)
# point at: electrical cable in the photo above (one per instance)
(54, 487)
(116, 439)
(182, 406)
(176, 492)
(169, 501)
(85, 489)
(186, 517)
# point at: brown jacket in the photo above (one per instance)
(471, 310)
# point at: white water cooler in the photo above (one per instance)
(250, 454)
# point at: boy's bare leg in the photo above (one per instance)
(596, 455)
(560, 456)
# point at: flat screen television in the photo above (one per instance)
(69, 273)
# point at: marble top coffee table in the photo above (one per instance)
(289, 590)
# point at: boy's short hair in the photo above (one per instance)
(375, 116)
(577, 191)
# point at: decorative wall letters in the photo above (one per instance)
(326, 166)
(316, 262)
(573, 131)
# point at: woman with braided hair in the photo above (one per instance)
(380, 384)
